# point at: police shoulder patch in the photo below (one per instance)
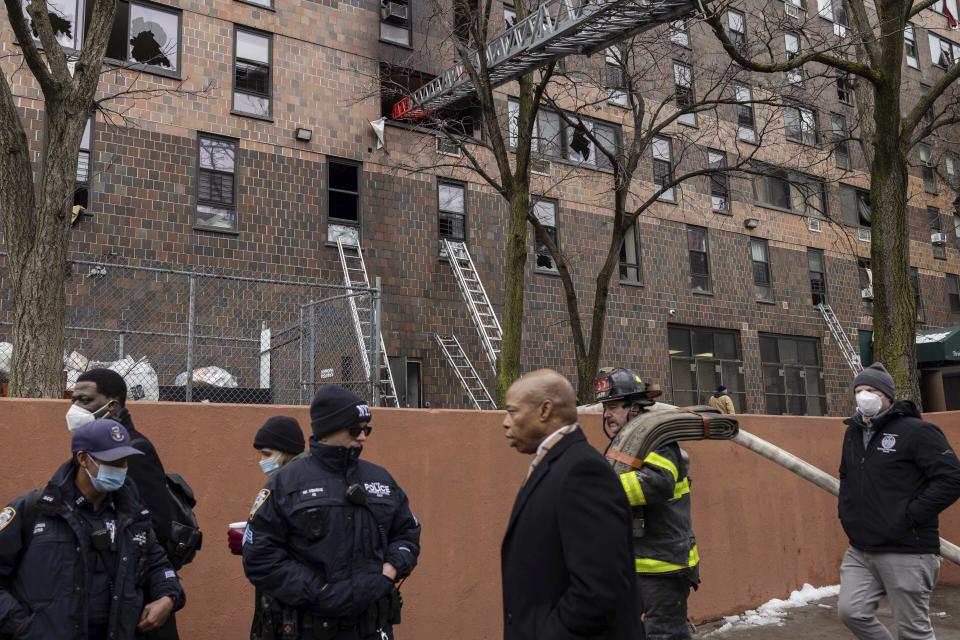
(6, 517)
(261, 498)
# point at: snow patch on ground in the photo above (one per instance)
(775, 611)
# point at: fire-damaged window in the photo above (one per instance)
(792, 376)
(553, 137)
(546, 213)
(343, 202)
(460, 119)
(395, 22)
(701, 359)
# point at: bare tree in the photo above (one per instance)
(36, 209)
(865, 41)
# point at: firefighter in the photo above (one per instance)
(666, 556)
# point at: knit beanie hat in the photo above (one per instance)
(877, 377)
(280, 433)
(335, 408)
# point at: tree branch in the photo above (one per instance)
(925, 103)
(31, 53)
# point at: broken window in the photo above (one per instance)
(452, 222)
(546, 212)
(663, 167)
(855, 205)
(552, 137)
(63, 19)
(216, 182)
(144, 34)
(251, 84)
(699, 259)
(943, 53)
(458, 119)
(343, 202)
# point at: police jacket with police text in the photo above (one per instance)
(44, 570)
(892, 490)
(661, 489)
(314, 550)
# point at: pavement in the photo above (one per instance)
(818, 621)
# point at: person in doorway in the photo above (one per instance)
(897, 473)
(721, 401)
(331, 535)
(79, 559)
(666, 558)
(567, 548)
(279, 442)
(102, 393)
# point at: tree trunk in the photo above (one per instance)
(514, 274)
(895, 314)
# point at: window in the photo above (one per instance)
(746, 124)
(952, 164)
(910, 46)
(631, 266)
(719, 182)
(943, 53)
(953, 293)
(792, 45)
(933, 222)
(855, 206)
(926, 169)
(407, 378)
(836, 12)
(841, 149)
(702, 359)
(699, 259)
(552, 138)
(679, 33)
(792, 376)
(845, 88)
(143, 34)
(216, 183)
(918, 299)
(343, 202)
(800, 124)
(64, 16)
(546, 212)
(614, 76)
(663, 167)
(450, 123)
(818, 276)
(683, 92)
(395, 22)
(795, 7)
(792, 191)
(760, 257)
(81, 192)
(736, 28)
(956, 229)
(865, 274)
(261, 3)
(452, 224)
(251, 80)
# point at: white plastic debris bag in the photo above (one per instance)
(213, 376)
(140, 376)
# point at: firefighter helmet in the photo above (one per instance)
(617, 383)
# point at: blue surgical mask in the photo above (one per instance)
(270, 465)
(108, 479)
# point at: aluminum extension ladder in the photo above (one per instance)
(484, 317)
(468, 376)
(355, 275)
(849, 354)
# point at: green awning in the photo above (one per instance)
(938, 345)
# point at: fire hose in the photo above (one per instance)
(651, 430)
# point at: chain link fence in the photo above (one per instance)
(246, 340)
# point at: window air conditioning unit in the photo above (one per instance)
(791, 9)
(539, 165)
(813, 224)
(939, 239)
(866, 293)
(395, 12)
(863, 234)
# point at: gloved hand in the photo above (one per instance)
(235, 541)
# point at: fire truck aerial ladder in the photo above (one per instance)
(553, 29)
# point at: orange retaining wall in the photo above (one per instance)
(762, 531)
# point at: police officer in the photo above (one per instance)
(667, 560)
(79, 559)
(331, 534)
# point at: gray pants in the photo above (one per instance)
(906, 579)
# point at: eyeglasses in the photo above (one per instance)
(356, 430)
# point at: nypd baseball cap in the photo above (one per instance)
(104, 439)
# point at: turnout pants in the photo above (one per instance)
(906, 579)
(663, 602)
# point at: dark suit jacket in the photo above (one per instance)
(567, 556)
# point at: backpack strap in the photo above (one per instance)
(30, 516)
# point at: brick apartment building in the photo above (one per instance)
(717, 286)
